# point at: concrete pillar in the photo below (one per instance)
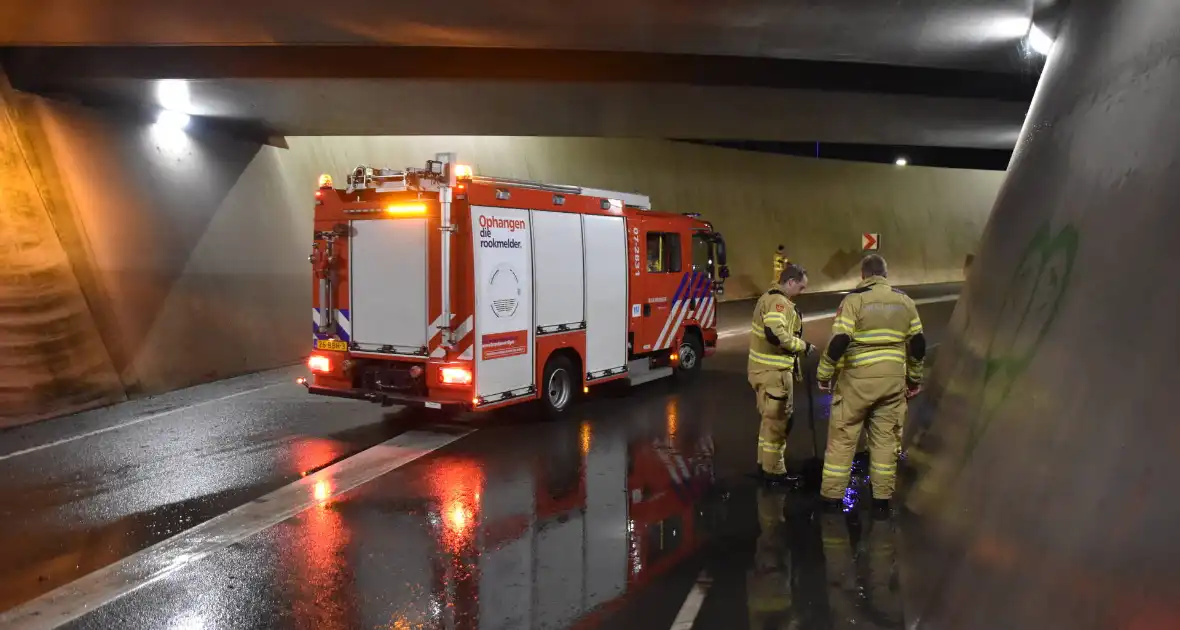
(1046, 459)
(52, 356)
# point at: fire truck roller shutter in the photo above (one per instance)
(504, 336)
(388, 283)
(557, 271)
(606, 292)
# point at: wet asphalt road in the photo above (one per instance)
(519, 524)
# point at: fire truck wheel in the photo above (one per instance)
(689, 355)
(558, 387)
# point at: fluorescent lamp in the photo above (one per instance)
(1038, 40)
(173, 120)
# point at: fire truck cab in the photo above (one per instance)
(439, 288)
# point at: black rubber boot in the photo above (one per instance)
(881, 508)
(860, 463)
(831, 505)
(773, 479)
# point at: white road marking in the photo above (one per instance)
(95, 590)
(150, 416)
(692, 604)
(936, 299)
(732, 332)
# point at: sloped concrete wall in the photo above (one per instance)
(134, 261)
(188, 251)
(199, 251)
(52, 356)
(1044, 455)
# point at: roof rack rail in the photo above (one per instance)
(524, 183)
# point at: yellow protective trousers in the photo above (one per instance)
(775, 392)
(879, 400)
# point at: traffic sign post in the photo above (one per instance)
(870, 241)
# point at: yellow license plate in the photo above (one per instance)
(330, 344)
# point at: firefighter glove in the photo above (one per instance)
(912, 389)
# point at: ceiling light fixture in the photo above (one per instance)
(173, 120)
(1038, 40)
(174, 94)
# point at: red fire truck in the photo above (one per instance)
(438, 288)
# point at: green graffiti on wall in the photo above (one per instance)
(1031, 304)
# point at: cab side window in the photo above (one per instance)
(702, 254)
(663, 252)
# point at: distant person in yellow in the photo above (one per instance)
(878, 342)
(774, 349)
(780, 263)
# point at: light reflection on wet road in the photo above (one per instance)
(81, 506)
(602, 520)
(467, 539)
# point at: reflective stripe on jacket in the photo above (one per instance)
(773, 343)
(879, 320)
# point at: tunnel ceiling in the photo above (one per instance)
(293, 90)
(925, 72)
(407, 107)
(960, 34)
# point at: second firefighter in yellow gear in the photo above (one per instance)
(877, 348)
(775, 347)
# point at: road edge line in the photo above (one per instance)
(135, 421)
(95, 590)
(687, 616)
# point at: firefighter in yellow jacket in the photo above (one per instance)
(774, 349)
(780, 262)
(878, 344)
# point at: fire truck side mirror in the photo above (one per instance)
(719, 244)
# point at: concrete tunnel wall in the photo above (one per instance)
(134, 262)
(1044, 459)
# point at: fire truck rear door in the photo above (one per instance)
(387, 277)
(503, 302)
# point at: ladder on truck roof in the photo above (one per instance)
(633, 200)
(389, 180)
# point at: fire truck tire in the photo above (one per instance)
(689, 355)
(557, 387)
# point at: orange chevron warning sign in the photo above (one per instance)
(870, 240)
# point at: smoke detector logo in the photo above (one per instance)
(504, 290)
